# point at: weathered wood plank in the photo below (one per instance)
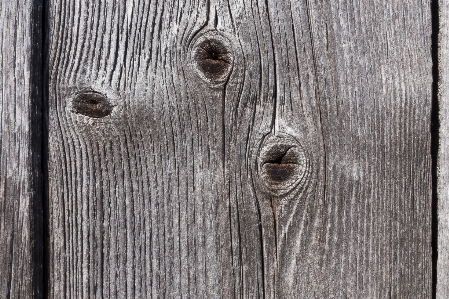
(228, 149)
(21, 238)
(443, 152)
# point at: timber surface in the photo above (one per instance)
(164, 176)
(443, 153)
(21, 239)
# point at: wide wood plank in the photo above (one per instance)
(21, 238)
(240, 149)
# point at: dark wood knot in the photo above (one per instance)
(283, 163)
(213, 57)
(91, 103)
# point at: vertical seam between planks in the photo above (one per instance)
(434, 137)
(44, 13)
(36, 136)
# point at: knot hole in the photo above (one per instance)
(213, 57)
(92, 104)
(283, 163)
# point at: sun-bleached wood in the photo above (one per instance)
(443, 152)
(166, 195)
(21, 239)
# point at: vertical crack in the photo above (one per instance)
(45, 277)
(434, 133)
(275, 86)
(37, 137)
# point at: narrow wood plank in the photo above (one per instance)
(443, 152)
(229, 149)
(21, 238)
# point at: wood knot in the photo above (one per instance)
(213, 57)
(283, 163)
(91, 103)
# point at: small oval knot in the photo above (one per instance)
(283, 163)
(213, 57)
(91, 103)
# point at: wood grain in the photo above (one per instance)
(21, 238)
(167, 195)
(443, 153)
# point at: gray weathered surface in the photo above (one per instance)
(443, 153)
(20, 150)
(164, 195)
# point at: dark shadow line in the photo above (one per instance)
(37, 141)
(45, 125)
(434, 133)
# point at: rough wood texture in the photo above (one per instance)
(443, 153)
(20, 150)
(240, 149)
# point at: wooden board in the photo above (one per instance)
(228, 149)
(443, 152)
(21, 238)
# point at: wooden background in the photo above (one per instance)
(21, 150)
(220, 149)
